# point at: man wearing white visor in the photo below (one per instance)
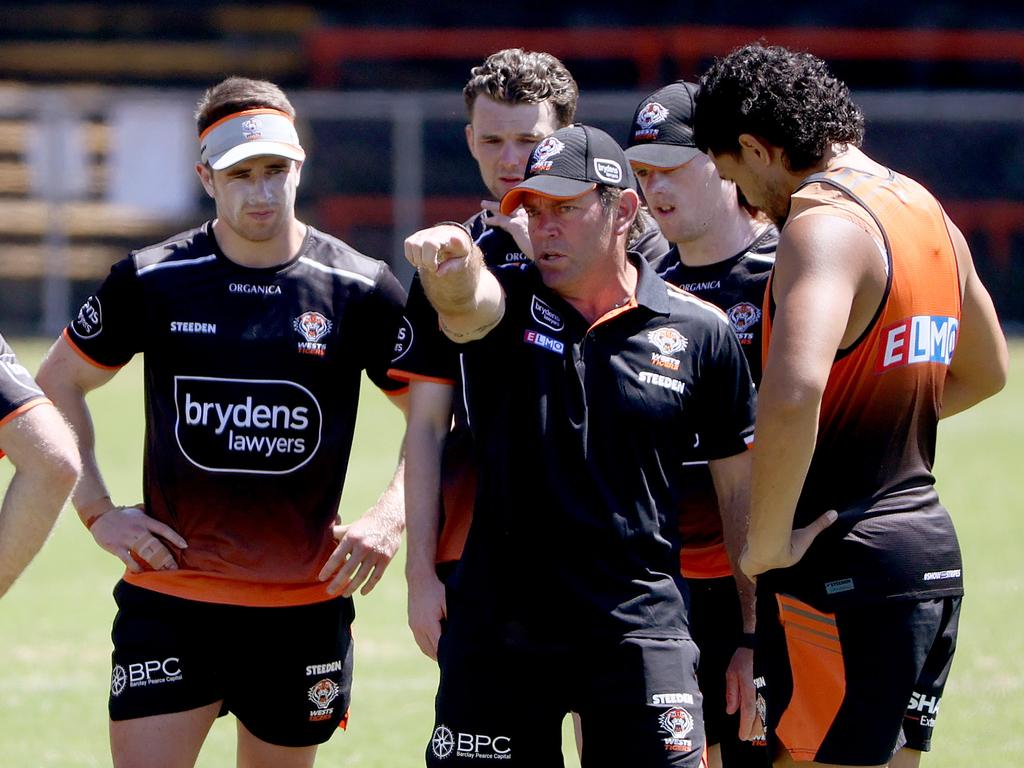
(255, 329)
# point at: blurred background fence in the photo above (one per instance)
(97, 142)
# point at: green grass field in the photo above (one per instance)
(55, 622)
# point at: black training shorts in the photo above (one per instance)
(285, 673)
(637, 698)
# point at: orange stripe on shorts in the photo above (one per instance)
(819, 677)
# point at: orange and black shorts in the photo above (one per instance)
(854, 686)
(285, 673)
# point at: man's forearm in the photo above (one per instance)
(30, 508)
(468, 299)
(65, 379)
(732, 487)
(423, 499)
(389, 510)
(46, 465)
(735, 535)
(91, 488)
(786, 434)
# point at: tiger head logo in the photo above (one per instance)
(324, 692)
(667, 340)
(252, 129)
(651, 115)
(312, 326)
(743, 316)
(677, 722)
(543, 153)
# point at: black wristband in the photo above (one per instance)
(747, 640)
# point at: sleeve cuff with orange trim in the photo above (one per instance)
(28, 405)
(84, 356)
(409, 376)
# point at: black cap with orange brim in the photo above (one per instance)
(569, 163)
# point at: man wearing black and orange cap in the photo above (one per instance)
(589, 381)
(255, 329)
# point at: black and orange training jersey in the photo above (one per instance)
(736, 286)
(252, 380)
(876, 435)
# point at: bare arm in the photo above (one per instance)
(46, 464)
(367, 545)
(828, 282)
(66, 378)
(126, 532)
(429, 424)
(732, 486)
(980, 362)
(468, 298)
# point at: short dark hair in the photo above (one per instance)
(786, 98)
(236, 94)
(515, 76)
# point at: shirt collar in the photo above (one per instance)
(651, 290)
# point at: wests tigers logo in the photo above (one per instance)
(542, 155)
(743, 316)
(312, 326)
(323, 693)
(652, 114)
(667, 340)
(676, 721)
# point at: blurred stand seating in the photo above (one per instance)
(381, 114)
(649, 55)
(965, 144)
(87, 172)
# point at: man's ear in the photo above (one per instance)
(628, 208)
(205, 178)
(754, 150)
(469, 139)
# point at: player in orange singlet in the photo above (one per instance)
(877, 326)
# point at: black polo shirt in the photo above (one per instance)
(581, 433)
(252, 384)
